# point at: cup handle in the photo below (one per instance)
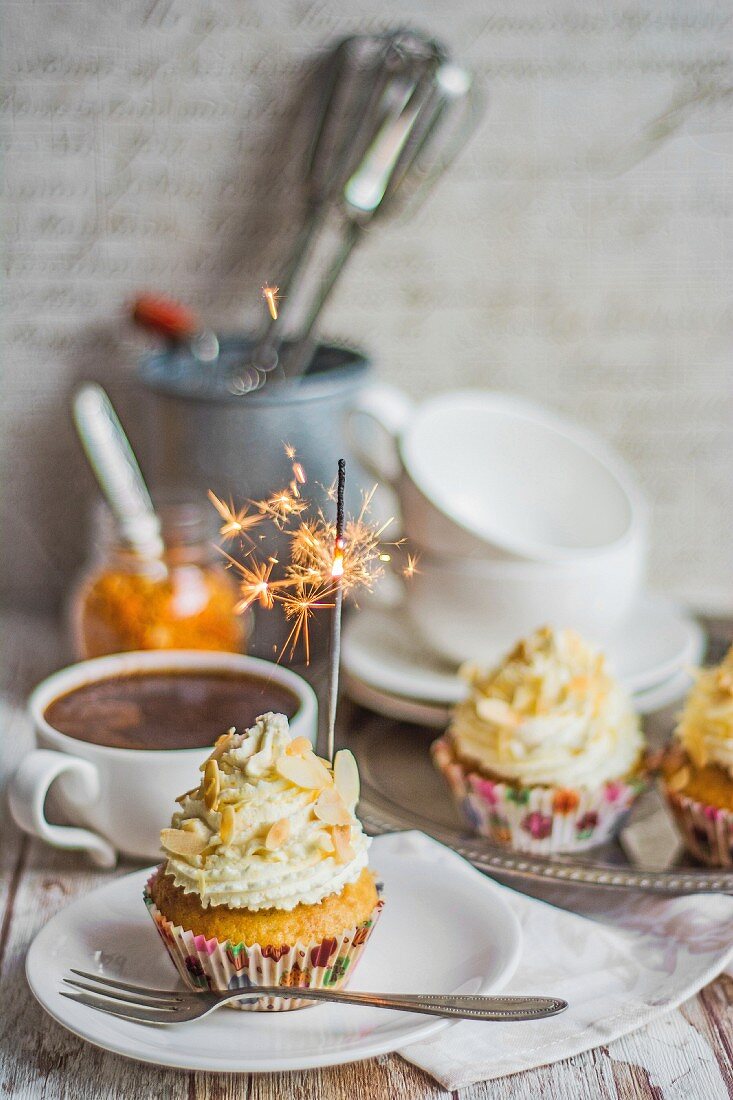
(27, 796)
(389, 409)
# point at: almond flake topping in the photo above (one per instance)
(679, 780)
(180, 842)
(222, 743)
(331, 809)
(298, 747)
(342, 843)
(187, 794)
(496, 710)
(304, 771)
(579, 684)
(277, 834)
(725, 681)
(212, 784)
(228, 826)
(346, 778)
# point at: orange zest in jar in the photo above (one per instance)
(125, 602)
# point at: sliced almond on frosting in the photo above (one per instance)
(187, 794)
(342, 843)
(196, 826)
(228, 826)
(212, 784)
(331, 808)
(724, 681)
(277, 834)
(325, 843)
(496, 710)
(222, 743)
(679, 780)
(298, 747)
(346, 777)
(181, 842)
(304, 771)
(579, 684)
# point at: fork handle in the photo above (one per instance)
(457, 1006)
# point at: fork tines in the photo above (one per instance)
(123, 999)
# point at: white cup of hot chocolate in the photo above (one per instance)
(121, 737)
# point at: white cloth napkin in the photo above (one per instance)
(617, 974)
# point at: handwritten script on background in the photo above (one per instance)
(578, 252)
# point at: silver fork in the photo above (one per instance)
(173, 1006)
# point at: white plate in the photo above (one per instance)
(445, 928)
(437, 715)
(434, 715)
(381, 649)
(663, 695)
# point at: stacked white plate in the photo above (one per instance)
(388, 669)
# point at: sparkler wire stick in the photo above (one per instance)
(337, 571)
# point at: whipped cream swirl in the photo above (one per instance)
(705, 728)
(270, 825)
(549, 714)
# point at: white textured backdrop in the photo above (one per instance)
(580, 251)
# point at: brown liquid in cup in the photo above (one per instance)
(166, 710)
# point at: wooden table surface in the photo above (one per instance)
(687, 1055)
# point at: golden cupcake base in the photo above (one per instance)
(215, 948)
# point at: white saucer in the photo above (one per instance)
(433, 715)
(381, 650)
(438, 715)
(445, 928)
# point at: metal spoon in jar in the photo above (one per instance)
(117, 471)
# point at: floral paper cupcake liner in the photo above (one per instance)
(212, 964)
(707, 831)
(540, 820)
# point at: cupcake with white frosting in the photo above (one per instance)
(267, 879)
(546, 752)
(698, 770)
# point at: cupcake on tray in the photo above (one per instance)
(698, 770)
(266, 881)
(546, 753)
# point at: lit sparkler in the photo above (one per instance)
(271, 294)
(337, 577)
(326, 562)
(362, 559)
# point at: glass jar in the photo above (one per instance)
(186, 601)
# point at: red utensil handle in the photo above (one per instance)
(165, 316)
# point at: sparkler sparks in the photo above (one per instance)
(299, 607)
(360, 557)
(411, 568)
(283, 506)
(271, 294)
(235, 523)
(255, 584)
(325, 560)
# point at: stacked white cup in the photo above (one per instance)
(518, 516)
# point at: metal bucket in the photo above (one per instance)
(197, 434)
(200, 435)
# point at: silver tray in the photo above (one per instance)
(402, 790)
